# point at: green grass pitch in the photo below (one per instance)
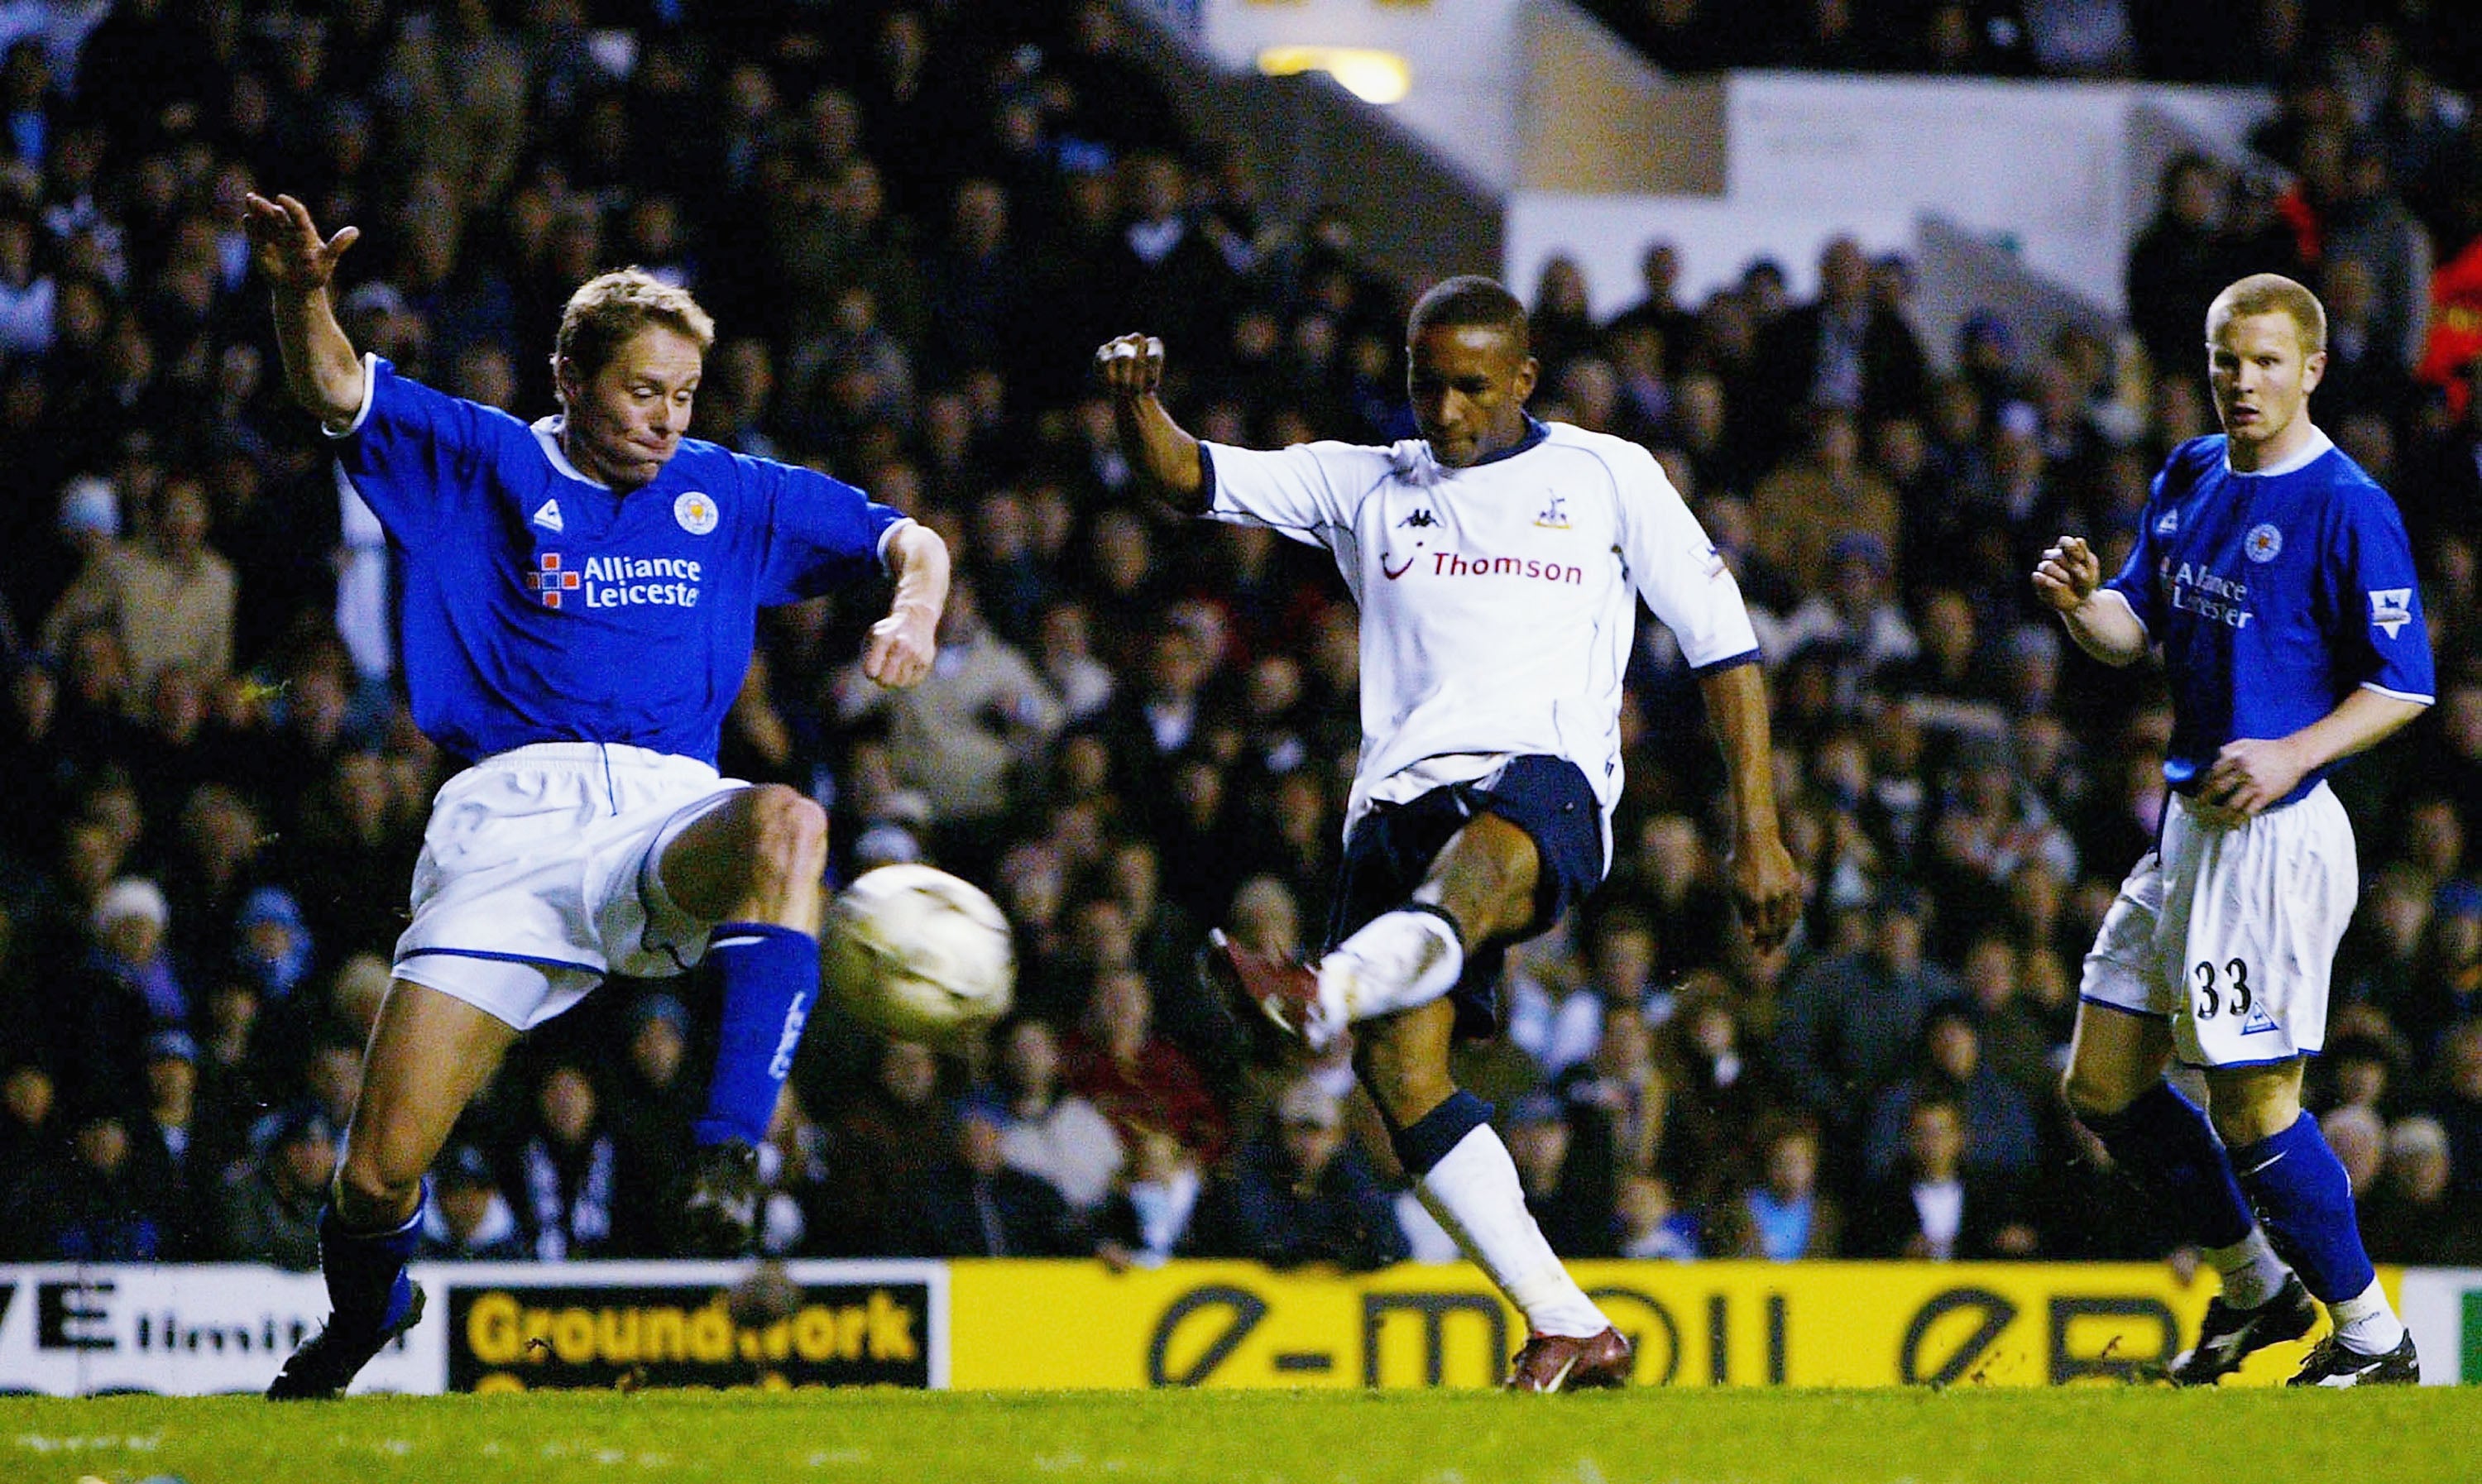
(1737, 1437)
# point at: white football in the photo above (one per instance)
(918, 955)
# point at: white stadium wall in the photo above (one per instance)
(2048, 168)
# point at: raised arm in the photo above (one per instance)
(902, 646)
(2070, 583)
(1764, 883)
(320, 367)
(1167, 460)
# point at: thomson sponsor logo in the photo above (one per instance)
(1451, 564)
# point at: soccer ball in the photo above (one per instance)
(918, 955)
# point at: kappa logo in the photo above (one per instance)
(548, 517)
(1555, 512)
(2391, 608)
(1417, 520)
(550, 581)
(2263, 543)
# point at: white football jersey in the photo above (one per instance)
(1498, 601)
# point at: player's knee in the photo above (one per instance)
(2092, 1094)
(789, 835)
(369, 1193)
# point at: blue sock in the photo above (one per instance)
(771, 976)
(1427, 1140)
(2165, 1143)
(2301, 1188)
(365, 1270)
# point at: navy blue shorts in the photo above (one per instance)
(1390, 850)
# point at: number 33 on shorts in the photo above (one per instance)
(2231, 994)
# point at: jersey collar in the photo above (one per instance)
(2311, 453)
(546, 431)
(1535, 432)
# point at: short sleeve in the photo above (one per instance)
(1678, 571)
(1292, 490)
(2373, 597)
(823, 533)
(411, 449)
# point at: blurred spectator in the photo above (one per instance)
(654, 1105)
(467, 1220)
(1051, 1133)
(1932, 1205)
(1844, 351)
(978, 1206)
(2411, 1216)
(1819, 494)
(1572, 1207)
(569, 1168)
(1304, 1192)
(1997, 1118)
(1782, 1215)
(2360, 1138)
(1145, 1221)
(2457, 1104)
(1651, 1226)
(1135, 1078)
(270, 1204)
(94, 1206)
(1849, 1024)
(170, 599)
(881, 1146)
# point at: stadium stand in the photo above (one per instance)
(911, 246)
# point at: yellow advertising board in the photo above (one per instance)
(1019, 1324)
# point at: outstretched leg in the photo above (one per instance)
(429, 1054)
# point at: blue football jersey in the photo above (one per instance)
(540, 606)
(2275, 595)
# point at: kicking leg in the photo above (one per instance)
(429, 1054)
(1463, 1174)
(753, 865)
(2300, 1186)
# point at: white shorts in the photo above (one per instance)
(2230, 933)
(539, 876)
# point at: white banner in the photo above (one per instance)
(73, 1330)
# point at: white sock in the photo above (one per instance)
(1475, 1195)
(1399, 960)
(2253, 1273)
(2366, 1324)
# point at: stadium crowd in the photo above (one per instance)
(913, 224)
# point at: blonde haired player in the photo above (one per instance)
(2279, 582)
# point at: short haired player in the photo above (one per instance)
(578, 606)
(1499, 561)
(2277, 577)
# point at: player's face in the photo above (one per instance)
(627, 420)
(2262, 381)
(1468, 384)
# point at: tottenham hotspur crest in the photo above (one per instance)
(1555, 512)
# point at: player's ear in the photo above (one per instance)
(1527, 374)
(564, 378)
(2314, 370)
